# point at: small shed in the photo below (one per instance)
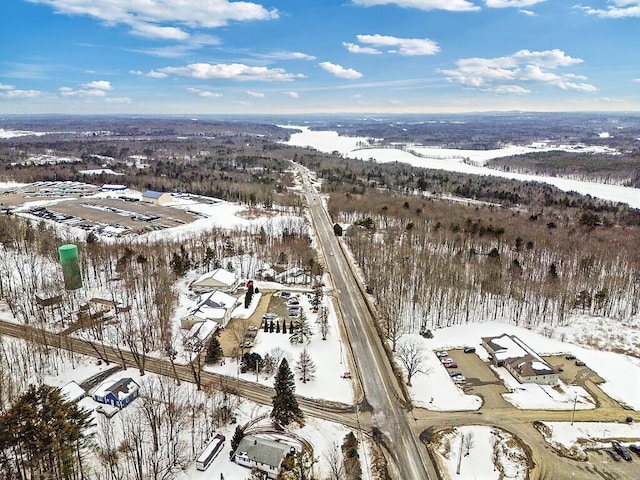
(72, 392)
(158, 198)
(117, 393)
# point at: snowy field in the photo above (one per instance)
(620, 372)
(449, 160)
(483, 453)
(19, 133)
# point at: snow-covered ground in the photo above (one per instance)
(19, 133)
(591, 434)
(328, 356)
(483, 453)
(450, 160)
(620, 372)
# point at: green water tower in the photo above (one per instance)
(70, 266)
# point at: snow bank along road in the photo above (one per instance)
(379, 383)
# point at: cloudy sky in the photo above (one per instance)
(315, 56)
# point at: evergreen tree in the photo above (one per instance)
(41, 432)
(214, 351)
(316, 300)
(238, 435)
(285, 406)
(323, 320)
(302, 330)
(305, 367)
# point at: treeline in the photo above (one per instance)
(435, 263)
(248, 170)
(621, 169)
(340, 175)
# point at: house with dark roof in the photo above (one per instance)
(117, 393)
(262, 453)
(519, 359)
(159, 198)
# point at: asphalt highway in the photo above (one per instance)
(379, 383)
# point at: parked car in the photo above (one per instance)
(622, 451)
(442, 354)
(612, 453)
(580, 363)
(570, 356)
(246, 344)
(459, 379)
(346, 375)
(454, 374)
(469, 349)
(635, 449)
(451, 365)
(444, 361)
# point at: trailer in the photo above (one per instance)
(209, 454)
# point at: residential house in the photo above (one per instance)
(216, 306)
(218, 279)
(159, 198)
(519, 359)
(264, 454)
(199, 335)
(117, 393)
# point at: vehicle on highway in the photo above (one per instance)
(469, 350)
(442, 354)
(622, 451)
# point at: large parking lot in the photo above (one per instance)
(603, 465)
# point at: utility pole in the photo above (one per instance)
(573, 413)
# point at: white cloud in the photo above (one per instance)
(528, 13)
(255, 94)
(98, 85)
(203, 93)
(233, 71)
(619, 9)
(292, 94)
(636, 80)
(164, 18)
(81, 92)
(286, 56)
(354, 48)
(339, 71)
(503, 74)
(511, 3)
(405, 46)
(120, 100)
(9, 91)
(451, 5)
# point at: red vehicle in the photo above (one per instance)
(451, 365)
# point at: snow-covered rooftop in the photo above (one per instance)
(72, 392)
(220, 275)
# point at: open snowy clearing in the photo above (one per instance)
(349, 146)
(591, 434)
(620, 372)
(483, 453)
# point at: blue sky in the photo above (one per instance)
(311, 56)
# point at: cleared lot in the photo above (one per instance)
(601, 463)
